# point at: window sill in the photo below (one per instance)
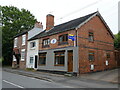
(91, 41)
(42, 65)
(32, 48)
(62, 43)
(45, 46)
(23, 44)
(31, 63)
(22, 60)
(59, 65)
(15, 46)
(91, 60)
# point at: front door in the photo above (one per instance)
(35, 61)
(70, 61)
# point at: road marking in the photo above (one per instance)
(13, 84)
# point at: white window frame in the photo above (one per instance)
(14, 59)
(29, 60)
(15, 42)
(23, 40)
(31, 45)
(23, 50)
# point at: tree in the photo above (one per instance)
(14, 21)
(117, 40)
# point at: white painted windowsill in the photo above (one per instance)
(32, 48)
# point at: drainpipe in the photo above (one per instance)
(77, 48)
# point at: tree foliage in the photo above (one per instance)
(117, 40)
(14, 21)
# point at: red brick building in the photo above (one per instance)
(20, 50)
(82, 45)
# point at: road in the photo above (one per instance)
(10, 80)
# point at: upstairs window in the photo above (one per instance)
(59, 58)
(108, 56)
(91, 37)
(23, 39)
(63, 39)
(32, 44)
(91, 56)
(46, 42)
(15, 42)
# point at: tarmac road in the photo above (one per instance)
(11, 80)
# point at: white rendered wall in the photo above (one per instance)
(31, 52)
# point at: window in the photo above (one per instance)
(63, 39)
(42, 58)
(91, 56)
(23, 54)
(14, 58)
(59, 58)
(108, 55)
(23, 39)
(15, 42)
(31, 60)
(91, 37)
(46, 42)
(32, 44)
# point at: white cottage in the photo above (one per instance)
(32, 53)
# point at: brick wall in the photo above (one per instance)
(103, 43)
(22, 64)
(56, 36)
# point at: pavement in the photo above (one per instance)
(112, 76)
(109, 76)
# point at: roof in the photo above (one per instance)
(70, 25)
(24, 32)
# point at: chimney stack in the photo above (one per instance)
(49, 21)
(38, 25)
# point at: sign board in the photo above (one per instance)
(106, 63)
(53, 41)
(71, 37)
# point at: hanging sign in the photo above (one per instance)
(71, 37)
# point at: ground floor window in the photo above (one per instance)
(42, 59)
(23, 54)
(59, 58)
(14, 58)
(31, 60)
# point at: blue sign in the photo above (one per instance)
(71, 37)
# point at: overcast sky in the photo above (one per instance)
(66, 10)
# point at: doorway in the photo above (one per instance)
(36, 61)
(70, 61)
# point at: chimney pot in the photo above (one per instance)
(39, 25)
